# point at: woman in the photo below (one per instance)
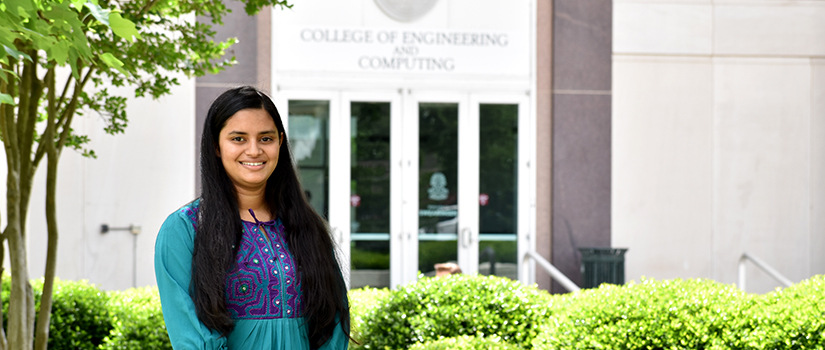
(249, 264)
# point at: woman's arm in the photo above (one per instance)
(173, 271)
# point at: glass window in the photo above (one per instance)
(309, 140)
(437, 184)
(370, 194)
(498, 189)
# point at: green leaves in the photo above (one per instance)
(79, 318)
(22, 8)
(60, 51)
(113, 62)
(6, 99)
(15, 54)
(101, 14)
(122, 27)
(470, 312)
(435, 308)
(62, 30)
(146, 45)
(467, 343)
(79, 3)
(138, 321)
(688, 314)
(86, 318)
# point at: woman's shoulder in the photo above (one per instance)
(185, 216)
(190, 211)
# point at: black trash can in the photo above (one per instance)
(602, 265)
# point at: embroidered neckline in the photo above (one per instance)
(258, 222)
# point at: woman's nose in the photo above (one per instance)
(254, 148)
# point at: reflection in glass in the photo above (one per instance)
(370, 194)
(498, 189)
(437, 184)
(309, 139)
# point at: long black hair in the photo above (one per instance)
(219, 229)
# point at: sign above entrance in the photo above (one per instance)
(402, 51)
(406, 10)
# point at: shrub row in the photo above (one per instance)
(692, 314)
(432, 309)
(84, 317)
(487, 312)
(478, 312)
(466, 342)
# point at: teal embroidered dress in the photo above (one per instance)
(263, 292)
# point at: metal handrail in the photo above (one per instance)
(552, 270)
(762, 265)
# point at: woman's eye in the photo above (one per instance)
(267, 139)
(237, 139)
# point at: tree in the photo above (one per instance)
(98, 44)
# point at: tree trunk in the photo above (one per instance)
(41, 339)
(21, 295)
(6, 111)
(21, 302)
(18, 138)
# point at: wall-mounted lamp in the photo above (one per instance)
(135, 230)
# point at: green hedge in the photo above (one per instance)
(790, 318)
(79, 319)
(441, 307)
(488, 312)
(361, 301)
(138, 321)
(466, 342)
(669, 314)
(85, 317)
(688, 314)
(467, 312)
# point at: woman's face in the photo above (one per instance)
(248, 146)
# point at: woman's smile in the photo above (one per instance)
(253, 165)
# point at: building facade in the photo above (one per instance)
(474, 131)
(719, 122)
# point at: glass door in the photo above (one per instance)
(499, 182)
(409, 181)
(438, 185)
(440, 180)
(371, 179)
(470, 158)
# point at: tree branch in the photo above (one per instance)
(67, 110)
(146, 8)
(7, 112)
(8, 122)
(26, 124)
(78, 89)
(65, 90)
(24, 99)
(41, 337)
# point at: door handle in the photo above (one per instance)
(466, 237)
